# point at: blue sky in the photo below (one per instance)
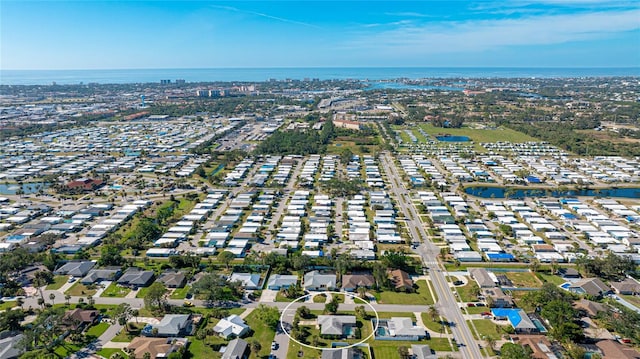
(207, 34)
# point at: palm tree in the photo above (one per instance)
(362, 292)
(491, 343)
(433, 313)
(52, 297)
(67, 297)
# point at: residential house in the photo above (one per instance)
(136, 278)
(400, 280)
(590, 286)
(482, 277)
(405, 327)
(348, 353)
(613, 350)
(231, 326)
(422, 352)
(85, 184)
(157, 347)
(589, 308)
(281, 281)
(172, 279)
(541, 347)
(171, 325)
(351, 282)
(10, 347)
(236, 349)
(79, 318)
(518, 319)
(337, 325)
(628, 286)
(101, 274)
(568, 273)
(248, 280)
(316, 281)
(75, 269)
(496, 298)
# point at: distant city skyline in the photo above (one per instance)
(65, 35)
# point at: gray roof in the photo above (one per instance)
(249, 280)
(422, 352)
(9, 347)
(482, 277)
(282, 280)
(333, 324)
(338, 354)
(96, 275)
(76, 269)
(315, 279)
(591, 286)
(357, 280)
(235, 349)
(402, 326)
(172, 324)
(172, 279)
(136, 276)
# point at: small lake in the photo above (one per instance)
(453, 138)
(499, 192)
(27, 188)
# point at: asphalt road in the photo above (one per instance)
(447, 304)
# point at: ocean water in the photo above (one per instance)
(47, 77)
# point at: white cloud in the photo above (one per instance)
(478, 35)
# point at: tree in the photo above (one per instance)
(268, 315)
(395, 260)
(433, 313)
(122, 313)
(117, 355)
(403, 352)
(514, 351)
(10, 319)
(67, 298)
(303, 312)
(361, 311)
(362, 292)
(491, 343)
(110, 256)
(213, 288)
(52, 298)
(332, 306)
(156, 296)
(146, 355)
(226, 257)
(534, 265)
(255, 347)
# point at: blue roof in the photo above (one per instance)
(533, 179)
(513, 315)
(500, 255)
(569, 216)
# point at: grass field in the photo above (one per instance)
(635, 300)
(7, 305)
(435, 326)
(80, 290)
(485, 328)
(114, 290)
(479, 135)
(523, 279)
(58, 282)
(262, 333)
(199, 349)
(466, 291)
(178, 293)
(551, 278)
(422, 295)
(320, 298)
(108, 352)
(98, 329)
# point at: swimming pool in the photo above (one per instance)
(453, 138)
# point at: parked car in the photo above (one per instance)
(274, 346)
(470, 305)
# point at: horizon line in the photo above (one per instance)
(332, 67)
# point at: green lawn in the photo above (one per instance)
(485, 328)
(635, 300)
(199, 349)
(388, 315)
(142, 292)
(80, 290)
(114, 290)
(434, 326)
(389, 349)
(98, 329)
(422, 295)
(523, 279)
(466, 291)
(179, 293)
(480, 135)
(340, 297)
(133, 332)
(477, 310)
(320, 298)
(108, 352)
(554, 279)
(66, 350)
(282, 298)
(261, 332)
(58, 282)
(7, 305)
